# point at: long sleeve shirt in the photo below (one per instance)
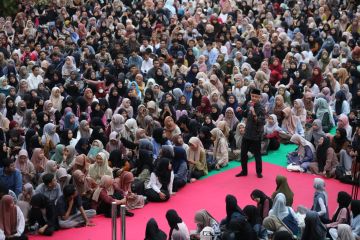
(155, 184)
(254, 129)
(34, 81)
(182, 172)
(53, 194)
(12, 181)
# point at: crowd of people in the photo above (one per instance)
(129, 101)
(271, 218)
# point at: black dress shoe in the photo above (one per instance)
(259, 175)
(241, 174)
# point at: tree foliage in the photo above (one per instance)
(8, 8)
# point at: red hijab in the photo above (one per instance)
(8, 215)
(207, 108)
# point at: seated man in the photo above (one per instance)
(50, 188)
(70, 210)
(11, 177)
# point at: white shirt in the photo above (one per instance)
(156, 185)
(20, 225)
(34, 81)
(147, 65)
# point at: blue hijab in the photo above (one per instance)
(187, 93)
(179, 158)
(67, 124)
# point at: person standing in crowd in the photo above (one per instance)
(254, 130)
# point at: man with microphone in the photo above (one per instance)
(254, 130)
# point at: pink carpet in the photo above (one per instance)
(209, 194)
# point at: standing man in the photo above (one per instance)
(254, 130)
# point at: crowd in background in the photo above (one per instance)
(129, 101)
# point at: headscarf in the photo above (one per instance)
(319, 185)
(321, 153)
(195, 155)
(145, 160)
(23, 167)
(50, 133)
(279, 208)
(314, 229)
(344, 232)
(101, 186)
(179, 158)
(282, 186)
(49, 167)
(218, 134)
(158, 136)
(67, 124)
(96, 171)
(173, 220)
(38, 163)
(278, 108)
(299, 111)
(301, 142)
(8, 216)
(117, 123)
(232, 122)
(290, 121)
(82, 183)
(78, 147)
(317, 134)
(162, 171)
(129, 109)
(28, 189)
(153, 232)
(81, 164)
(187, 94)
(232, 207)
(340, 98)
(268, 129)
(252, 215)
(61, 173)
(58, 157)
(203, 219)
(56, 101)
(321, 107)
(339, 141)
(207, 108)
(344, 200)
(125, 180)
(84, 133)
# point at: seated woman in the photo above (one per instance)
(253, 217)
(343, 122)
(282, 186)
(197, 159)
(320, 203)
(124, 182)
(345, 166)
(105, 194)
(26, 167)
(326, 159)
(85, 186)
(159, 188)
(284, 214)
(300, 159)
(96, 147)
(179, 166)
(339, 141)
(70, 210)
(42, 212)
(233, 212)
(299, 111)
(80, 163)
(24, 200)
(355, 223)
(170, 127)
(144, 165)
(291, 125)
(100, 168)
(314, 229)
(39, 161)
(62, 177)
(264, 203)
(342, 213)
(178, 229)
(323, 114)
(153, 232)
(204, 219)
(315, 133)
(12, 222)
(271, 139)
(220, 153)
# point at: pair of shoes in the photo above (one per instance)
(259, 175)
(241, 174)
(129, 214)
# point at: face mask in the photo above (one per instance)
(22, 108)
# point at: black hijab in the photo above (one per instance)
(114, 100)
(314, 229)
(116, 159)
(196, 101)
(40, 119)
(146, 158)
(355, 208)
(321, 153)
(98, 133)
(153, 232)
(340, 98)
(28, 135)
(253, 215)
(78, 147)
(96, 113)
(173, 220)
(162, 172)
(179, 158)
(344, 200)
(10, 110)
(206, 138)
(158, 136)
(339, 141)
(231, 207)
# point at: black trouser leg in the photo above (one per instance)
(244, 155)
(256, 145)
